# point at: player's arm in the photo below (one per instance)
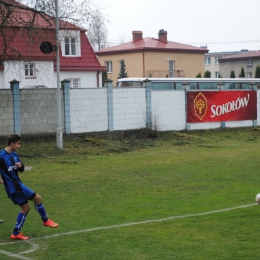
(1, 181)
(20, 166)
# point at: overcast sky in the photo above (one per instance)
(222, 25)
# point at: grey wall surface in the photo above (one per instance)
(6, 112)
(93, 110)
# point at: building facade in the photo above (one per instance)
(153, 57)
(28, 51)
(247, 60)
(212, 61)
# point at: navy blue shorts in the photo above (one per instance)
(22, 197)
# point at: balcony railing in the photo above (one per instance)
(165, 73)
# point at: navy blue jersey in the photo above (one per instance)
(9, 171)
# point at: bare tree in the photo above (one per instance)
(34, 20)
(97, 31)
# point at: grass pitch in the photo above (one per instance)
(102, 187)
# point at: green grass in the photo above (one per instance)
(107, 179)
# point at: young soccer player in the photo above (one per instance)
(10, 165)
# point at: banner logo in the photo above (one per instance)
(200, 106)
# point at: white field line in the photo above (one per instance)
(133, 223)
(36, 246)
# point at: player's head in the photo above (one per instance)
(13, 138)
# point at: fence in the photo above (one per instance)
(33, 111)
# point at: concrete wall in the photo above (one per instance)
(168, 110)
(6, 112)
(88, 111)
(38, 111)
(99, 109)
(129, 108)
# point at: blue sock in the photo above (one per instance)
(19, 223)
(41, 210)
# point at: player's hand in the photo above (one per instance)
(1, 181)
(18, 165)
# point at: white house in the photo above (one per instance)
(22, 59)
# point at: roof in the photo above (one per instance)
(23, 16)
(87, 62)
(23, 43)
(242, 56)
(151, 44)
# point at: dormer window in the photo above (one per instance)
(70, 46)
(70, 43)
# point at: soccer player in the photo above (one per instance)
(10, 165)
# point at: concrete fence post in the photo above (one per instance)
(186, 88)
(147, 84)
(253, 86)
(65, 85)
(14, 85)
(110, 105)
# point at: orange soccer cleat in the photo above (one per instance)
(50, 223)
(20, 236)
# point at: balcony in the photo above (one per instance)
(165, 73)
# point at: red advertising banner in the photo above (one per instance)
(221, 106)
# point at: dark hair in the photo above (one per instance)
(13, 139)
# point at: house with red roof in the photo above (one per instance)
(248, 60)
(23, 30)
(153, 57)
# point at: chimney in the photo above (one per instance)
(162, 35)
(137, 35)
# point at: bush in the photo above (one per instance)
(257, 72)
(207, 74)
(242, 73)
(232, 74)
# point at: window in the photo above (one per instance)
(29, 70)
(216, 74)
(70, 46)
(171, 69)
(216, 60)
(249, 63)
(70, 41)
(108, 64)
(74, 83)
(207, 61)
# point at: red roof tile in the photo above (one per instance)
(23, 42)
(153, 45)
(242, 56)
(87, 62)
(24, 16)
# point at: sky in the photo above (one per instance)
(221, 25)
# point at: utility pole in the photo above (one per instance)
(59, 140)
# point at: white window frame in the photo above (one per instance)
(29, 70)
(109, 66)
(216, 74)
(70, 46)
(171, 68)
(216, 60)
(249, 63)
(74, 82)
(71, 36)
(208, 61)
